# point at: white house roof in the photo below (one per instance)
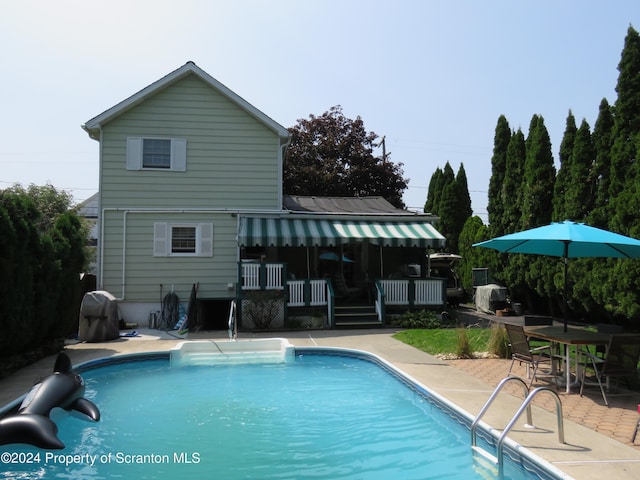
(94, 125)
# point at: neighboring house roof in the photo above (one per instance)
(90, 207)
(94, 125)
(343, 205)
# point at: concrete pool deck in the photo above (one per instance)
(586, 454)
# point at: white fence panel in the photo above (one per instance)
(296, 293)
(429, 292)
(395, 292)
(274, 276)
(318, 292)
(251, 276)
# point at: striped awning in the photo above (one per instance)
(281, 232)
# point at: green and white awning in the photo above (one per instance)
(281, 232)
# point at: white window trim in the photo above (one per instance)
(178, 154)
(162, 232)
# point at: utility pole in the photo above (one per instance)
(384, 149)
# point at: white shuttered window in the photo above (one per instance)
(157, 154)
(183, 239)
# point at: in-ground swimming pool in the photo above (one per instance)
(330, 414)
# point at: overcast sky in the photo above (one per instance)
(431, 76)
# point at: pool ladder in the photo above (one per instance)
(498, 459)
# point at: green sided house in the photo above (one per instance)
(190, 201)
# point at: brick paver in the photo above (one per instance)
(617, 421)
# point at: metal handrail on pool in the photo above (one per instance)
(499, 459)
(483, 410)
(524, 405)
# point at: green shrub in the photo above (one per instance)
(499, 341)
(463, 347)
(422, 319)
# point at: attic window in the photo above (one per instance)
(168, 154)
(156, 153)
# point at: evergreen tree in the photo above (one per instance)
(539, 176)
(449, 199)
(623, 185)
(447, 205)
(511, 194)
(463, 207)
(474, 231)
(602, 143)
(580, 191)
(563, 179)
(434, 191)
(496, 205)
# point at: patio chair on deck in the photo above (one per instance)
(522, 352)
(620, 361)
(342, 290)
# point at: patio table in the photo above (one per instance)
(573, 337)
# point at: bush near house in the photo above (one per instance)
(41, 257)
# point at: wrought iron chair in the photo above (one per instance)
(522, 352)
(620, 361)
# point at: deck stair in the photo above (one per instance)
(356, 315)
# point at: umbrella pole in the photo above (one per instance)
(566, 289)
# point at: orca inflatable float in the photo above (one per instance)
(31, 424)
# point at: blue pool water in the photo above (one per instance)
(320, 417)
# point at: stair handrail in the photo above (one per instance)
(525, 404)
(379, 300)
(484, 409)
(233, 322)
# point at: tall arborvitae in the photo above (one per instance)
(434, 191)
(539, 176)
(447, 205)
(511, 193)
(449, 199)
(625, 137)
(463, 208)
(563, 179)
(580, 191)
(602, 142)
(495, 205)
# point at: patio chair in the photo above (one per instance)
(620, 361)
(342, 290)
(522, 352)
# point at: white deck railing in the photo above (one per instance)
(317, 292)
(270, 276)
(419, 291)
(396, 292)
(273, 273)
(430, 292)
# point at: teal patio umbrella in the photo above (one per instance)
(566, 240)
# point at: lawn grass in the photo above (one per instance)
(444, 340)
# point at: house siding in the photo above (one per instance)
(232, 158)
(144, 273)
(233, 162)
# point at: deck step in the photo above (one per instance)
(356, 315)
